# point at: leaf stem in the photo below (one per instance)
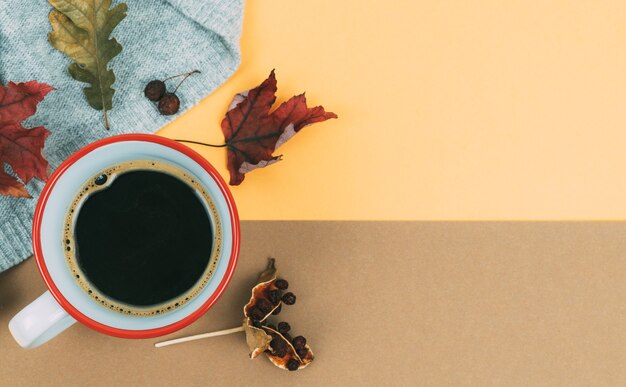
(202, 143)
(198, 337)
(106, 119)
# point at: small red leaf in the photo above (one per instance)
(253, 134)
(18, 101)
(20, 147)
(11, 187)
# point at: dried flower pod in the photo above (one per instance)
(291, 355)
(261, 337)
(260, 307)
(256, 338)
(266, 338)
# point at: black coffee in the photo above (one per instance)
(143, 240)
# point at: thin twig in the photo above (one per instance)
(198, 337)
(183, 80)
(180, 75)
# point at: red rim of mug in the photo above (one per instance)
(127, 333)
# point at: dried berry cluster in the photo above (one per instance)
(156, 91)
(267, 299)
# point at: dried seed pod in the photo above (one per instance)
(261, 337)
(266, 338)
(291, 355)
(259, 299)
(256, 338)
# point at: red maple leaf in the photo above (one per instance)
(253, 134)
(20, 147)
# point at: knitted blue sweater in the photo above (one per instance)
(159, 38)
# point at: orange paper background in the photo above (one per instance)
(448, 109)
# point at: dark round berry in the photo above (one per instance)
(287, 336)
(154, 90)
(280, 352)
(302, 352)
(293, 364)
(277, 310)
(256, 314)
(271, 326)
(257, 324)
(289, 298)
(277, 342)
(298, 342)
(264, 305)
(274, 296)
(283, 327)
(281, 284)
(169, 104)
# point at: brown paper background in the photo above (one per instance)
(382, 303)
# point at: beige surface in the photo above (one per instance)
(402, 303)
(448, 109)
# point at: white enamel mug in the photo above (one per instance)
(65, 302)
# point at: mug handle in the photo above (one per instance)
(39, 321)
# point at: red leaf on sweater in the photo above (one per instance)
(11, 187)
(253, 134)
(20, 147)
(18, 101)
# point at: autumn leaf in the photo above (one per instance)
(20, 147)
(9, 186)
(253, 134)
(18, 101)
(81, 30)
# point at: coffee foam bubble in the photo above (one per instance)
(96, 184)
